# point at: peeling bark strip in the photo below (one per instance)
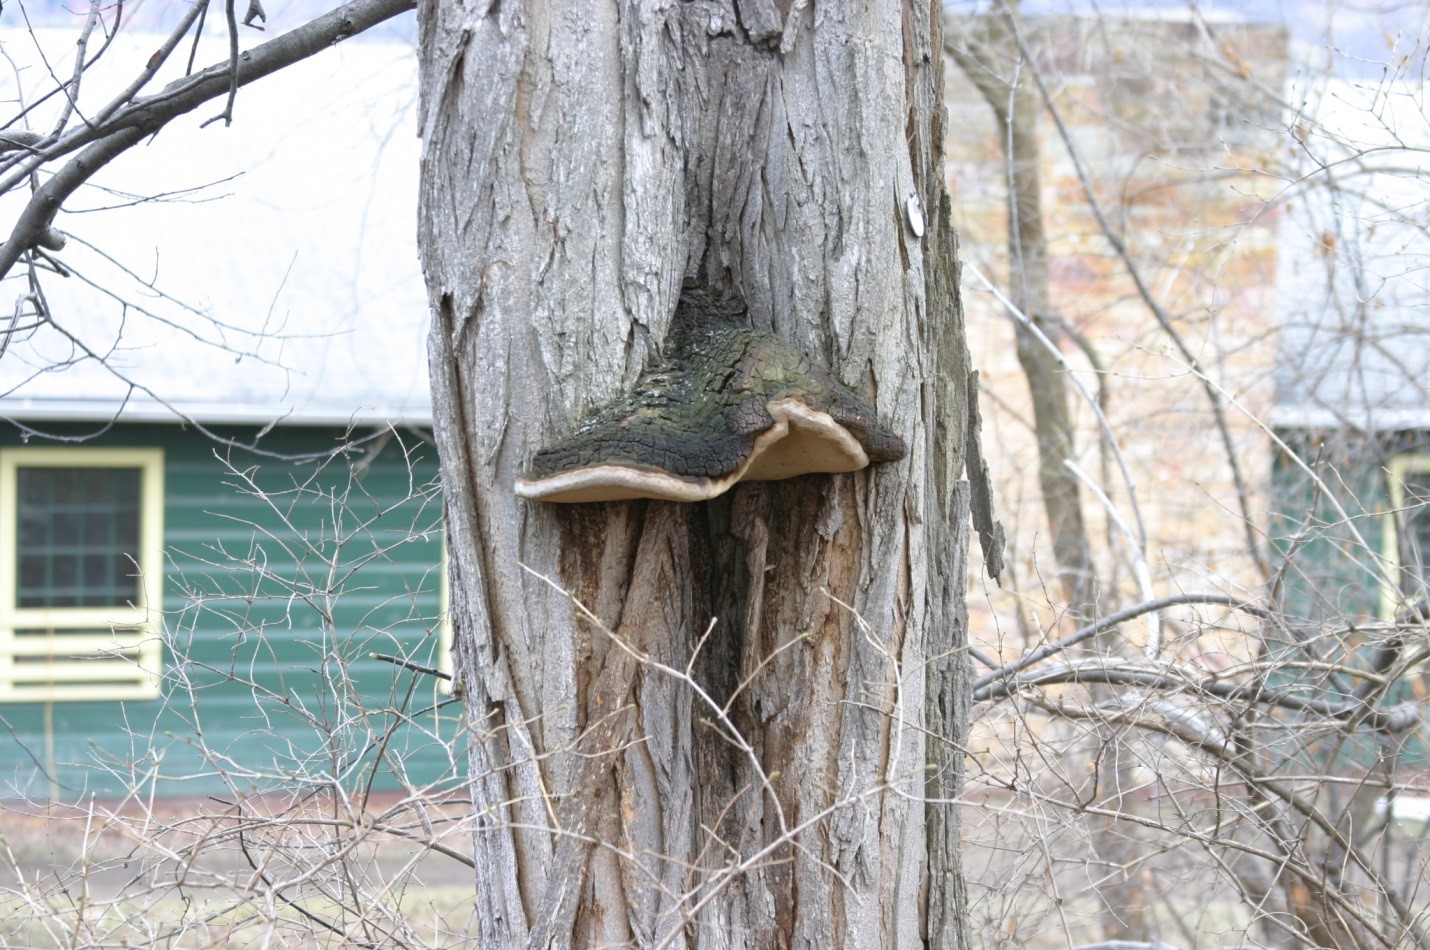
(647, 776)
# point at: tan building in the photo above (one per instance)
(1173, 127)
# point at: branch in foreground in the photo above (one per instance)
(1394, 720)
(145, 116)
(1267, 788)
(409, 665)
(1106, 623)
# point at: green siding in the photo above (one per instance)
(1328, 541)
(1326, 574)
(281, 578)
(1329, 575)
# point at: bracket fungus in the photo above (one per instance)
(729, 404)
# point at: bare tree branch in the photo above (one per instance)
(132, 123)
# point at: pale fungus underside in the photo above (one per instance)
(729, 404)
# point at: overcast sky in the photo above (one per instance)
(1354, 37)
(283, 15)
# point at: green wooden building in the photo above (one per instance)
(1351, 475)
(218, 493)
(193, 615)
(1350, 506)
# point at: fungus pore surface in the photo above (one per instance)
(728, 404)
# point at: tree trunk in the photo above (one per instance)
(729, 748)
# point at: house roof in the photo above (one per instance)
(273, 274)
(1354, 271)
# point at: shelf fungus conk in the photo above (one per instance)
(730, 404)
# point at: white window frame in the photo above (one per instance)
(124, 663)
(1401, 466)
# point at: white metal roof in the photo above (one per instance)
(289, 290)
(1354, 271)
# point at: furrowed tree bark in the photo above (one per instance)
(581, 161)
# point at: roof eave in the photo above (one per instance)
(1321, 418)
(49, 410)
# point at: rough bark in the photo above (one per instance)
(581, 161)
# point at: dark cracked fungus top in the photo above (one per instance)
(729, 404)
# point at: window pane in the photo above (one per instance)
(78, 533)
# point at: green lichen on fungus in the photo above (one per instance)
(728, 404)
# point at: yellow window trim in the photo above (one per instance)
(1401, 466)
(83, 665)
